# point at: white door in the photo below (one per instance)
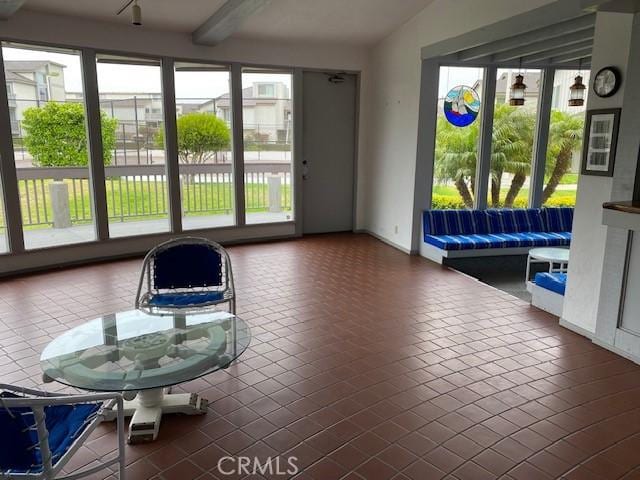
(329, 128)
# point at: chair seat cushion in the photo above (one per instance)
(187, 299)
(499, 240)
(64, 423)
(556, 282)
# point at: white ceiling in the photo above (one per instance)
(356, 22)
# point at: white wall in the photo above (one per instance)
(611, 47)
(389, 110)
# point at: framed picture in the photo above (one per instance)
(600, 141)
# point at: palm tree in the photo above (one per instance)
(565, 136)
(456, 157)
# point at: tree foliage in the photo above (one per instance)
(56, 136)
(512, 152)
(200, 136)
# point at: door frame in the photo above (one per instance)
(298, 143)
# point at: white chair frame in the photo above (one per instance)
(142, 298)
(37, 401)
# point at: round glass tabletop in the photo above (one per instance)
(550, 254)
(135, 350)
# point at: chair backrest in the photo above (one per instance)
(558, 219)
(187, 265)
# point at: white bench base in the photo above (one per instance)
(546, 300)
(438, 255)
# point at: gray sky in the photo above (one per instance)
(140, 79)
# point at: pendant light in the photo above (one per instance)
(518, 89)
(136, 14)
(577, 90)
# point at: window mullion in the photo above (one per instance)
(238, 143)
(541, 139)
(8, 174)
(483, 165)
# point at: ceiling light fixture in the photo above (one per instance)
(136, 11)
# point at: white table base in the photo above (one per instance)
(147, 408)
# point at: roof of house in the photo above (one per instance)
(14, 77)
(531, 80)
(29, 65)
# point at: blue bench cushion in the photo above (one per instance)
(185, 299)
(556, 282)
(64, 423)
(499, 240)
(455, 222)
(518, 220)
(558, 219)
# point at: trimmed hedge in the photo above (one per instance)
(448, 202)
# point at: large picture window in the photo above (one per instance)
(132, 130)
(205, 153)
(268, 141)
(514, 131)
(47, 112)
(456, 152)
(565, 142)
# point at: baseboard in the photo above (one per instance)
(386, 240)
(576, 329)
(616, 350)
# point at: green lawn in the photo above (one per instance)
(134, 201)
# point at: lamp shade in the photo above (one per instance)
(517, 92)
(577, 92)
(136, 14)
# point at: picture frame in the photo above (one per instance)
(600, 142)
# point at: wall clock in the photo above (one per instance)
(606, 82)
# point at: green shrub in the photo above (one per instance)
(56, 136)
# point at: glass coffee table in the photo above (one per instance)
(141, 354)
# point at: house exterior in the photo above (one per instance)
(31, 83)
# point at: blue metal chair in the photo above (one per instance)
(186, 274)
(40, 431)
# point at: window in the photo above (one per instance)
(50, 145)
(4, 241)
(205, 150)
(266, 90)
(133, 132)
(268, 141)
(513, 139)
(456, 147)
(565, 142)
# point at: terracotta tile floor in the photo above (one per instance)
(365, 363)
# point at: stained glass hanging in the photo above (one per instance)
(461, 106)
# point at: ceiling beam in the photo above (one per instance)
(571, 57)
(585, 22)
(619, 6)
(9, 7)
(226, 20)
(537, 47)
(553, 52)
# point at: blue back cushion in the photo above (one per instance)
(558, 219)
(185, 266)
(517, 220)
(15, 439)
(454, 222)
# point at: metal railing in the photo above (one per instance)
(138, 191)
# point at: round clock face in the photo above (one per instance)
(606, 82)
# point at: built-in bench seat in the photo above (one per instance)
(547, 292)
(471, 233)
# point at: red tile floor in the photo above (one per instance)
(366, 363)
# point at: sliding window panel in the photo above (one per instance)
(457, 137)
(267, 112)
(205, 153)
(48, 126)
(514, 132)
(133, 143)
(564, 150)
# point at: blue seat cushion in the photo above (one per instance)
(556, 282)
(455, 222)
(515, 220)
(64, 423)
(558, 219)
(499, 240)
(184, 299)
